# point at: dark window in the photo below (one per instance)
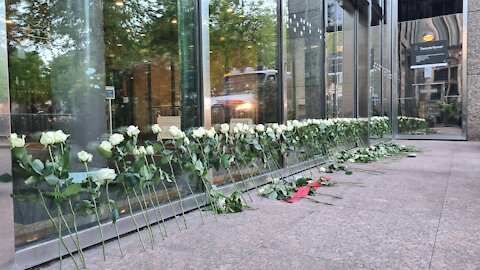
(418, 9)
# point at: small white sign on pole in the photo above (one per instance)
(109, 95)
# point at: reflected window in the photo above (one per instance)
(243, 61)
(64, 55)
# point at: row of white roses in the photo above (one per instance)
(59, 137)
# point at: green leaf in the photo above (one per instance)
(115, 215)
(199, 166)
(37, 166)
(273, 195)
(31, 180)
(19, 152)
(167, 152)
(106, 154)
(52, 180)
(6, 178)
(73, 189)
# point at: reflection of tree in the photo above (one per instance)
(242, 34)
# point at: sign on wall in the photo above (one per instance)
(429, 54)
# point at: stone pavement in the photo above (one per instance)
(408, 213)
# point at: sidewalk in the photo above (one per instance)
(409, 213)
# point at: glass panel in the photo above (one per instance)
(430, 94)
(348, 46)
(305, 59)
(64, 55)
(376, 76)
(334, 56)
(243, 71)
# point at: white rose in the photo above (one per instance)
(48, 138)
(224, 128)
(106, 145)
(150, 150)
(142, 150)
(15, 141)
(60, 137)
(136, 152)
(186, 141)
(84, 157)
(260, 128)
(198, 133)
(211, 133)
(322, 169)
(116, 139)
(251, 131)
(275, 126)
(176, 132)
(221, 204)
(156, 129)
(133, 131)
(105, 175)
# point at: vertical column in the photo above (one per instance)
(204, 62)
(471, 13)
(7, 234)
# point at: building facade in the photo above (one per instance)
(89, 67)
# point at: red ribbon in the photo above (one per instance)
(303, 191)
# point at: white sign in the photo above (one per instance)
(110, 92)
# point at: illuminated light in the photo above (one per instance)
(222, 38)
(314, 46)
(229, 10)
(34, 238)
(428, 36)
(8, 21)
(119, 3)
(119, 45)
(128, 30)
(339, 48)
(241, 16)
(123, 211)
(244, 107)
(211, 52)
(249, 46)
(142, 35)
(174, 21)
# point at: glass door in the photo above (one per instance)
(430, 96)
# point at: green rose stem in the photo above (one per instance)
(171, 205)
(193, 194)
(176, 186)
(155, 207)
(235, 183)
(114, 222)
(158, 203)
(59, 209)
(131, 214)
(145, 217)
(188, 185)
(144, 210)
(243, 180)
(130, 209)
(207, 188)
(77, 242)
(82, 257)
(96, 213)
(62, 242)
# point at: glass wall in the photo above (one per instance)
(430, 97)
(243, 61)
(305, 59)
(64, 55)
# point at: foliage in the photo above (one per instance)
(375, 152)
